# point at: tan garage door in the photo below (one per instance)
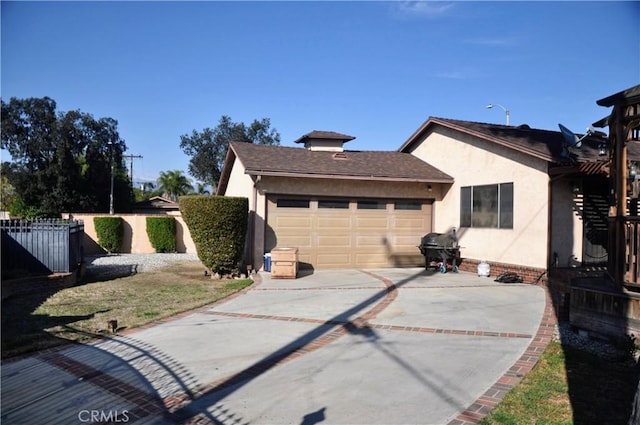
(332, 233)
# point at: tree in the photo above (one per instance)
(61, 160)
(201, 189)
(208, 148)
(174, 183)
(7, 193)
(146, 192)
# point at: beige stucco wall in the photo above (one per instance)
(135, 239)
(475, 162)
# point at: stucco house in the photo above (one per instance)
(519, 198)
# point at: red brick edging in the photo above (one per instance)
(494, 395)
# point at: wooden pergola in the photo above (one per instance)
(624, 221)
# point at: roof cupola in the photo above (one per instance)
(328, 141)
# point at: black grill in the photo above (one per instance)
(439, 249)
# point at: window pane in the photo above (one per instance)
(293, 203)
(372, 205)
(333, 204)
(465, 207)
(506, 206)
(407, 205)
(485, 206)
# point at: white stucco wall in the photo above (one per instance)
(475, 162)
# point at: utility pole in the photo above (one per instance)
(131, 158)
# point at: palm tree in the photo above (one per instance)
(202, 189)
(174, 183)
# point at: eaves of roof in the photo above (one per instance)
(624, 97)
(349, 176)
(352, 165)
(543, 144)
(471, 131)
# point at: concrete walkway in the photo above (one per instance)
(380, 346)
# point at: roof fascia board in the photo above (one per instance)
(622, 98)
(435, 121)
(344, 177)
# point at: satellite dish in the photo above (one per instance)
(570, 137)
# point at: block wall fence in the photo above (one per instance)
(135, 240)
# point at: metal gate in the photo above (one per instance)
(41, 246)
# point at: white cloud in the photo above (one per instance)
(423, 8)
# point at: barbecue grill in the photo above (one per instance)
(440, 248)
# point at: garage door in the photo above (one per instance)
(335, 232)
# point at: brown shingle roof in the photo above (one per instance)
(543, 144)
(373, 165)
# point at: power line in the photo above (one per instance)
(131, 158)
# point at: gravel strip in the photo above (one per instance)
(567, 336)
(112, 266)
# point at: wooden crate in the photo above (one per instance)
(284, 263)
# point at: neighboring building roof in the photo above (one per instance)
(543, 144)
(267, 160)
(157, 203)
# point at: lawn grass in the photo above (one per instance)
(569, 386)
(35, 321)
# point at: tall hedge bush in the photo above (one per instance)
(162, 233)
(110, 231)
(218, 226)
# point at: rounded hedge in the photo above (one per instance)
(162, 233)
(218, 226)
(110, 231)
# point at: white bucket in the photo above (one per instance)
(484, 269)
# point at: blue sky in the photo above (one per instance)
(373, 70)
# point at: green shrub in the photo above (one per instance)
(218, 225)
(162, 233)
(110, 231)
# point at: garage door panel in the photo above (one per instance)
(370, 241)
(305, 258)
(340, 237)
(371, 260)
(372, 222)
(409, 223)
(299, 241)
(334, 241)
(406, 240)
(334, 223)
(293, 222)
(333, 260)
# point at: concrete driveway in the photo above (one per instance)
(379, 346)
